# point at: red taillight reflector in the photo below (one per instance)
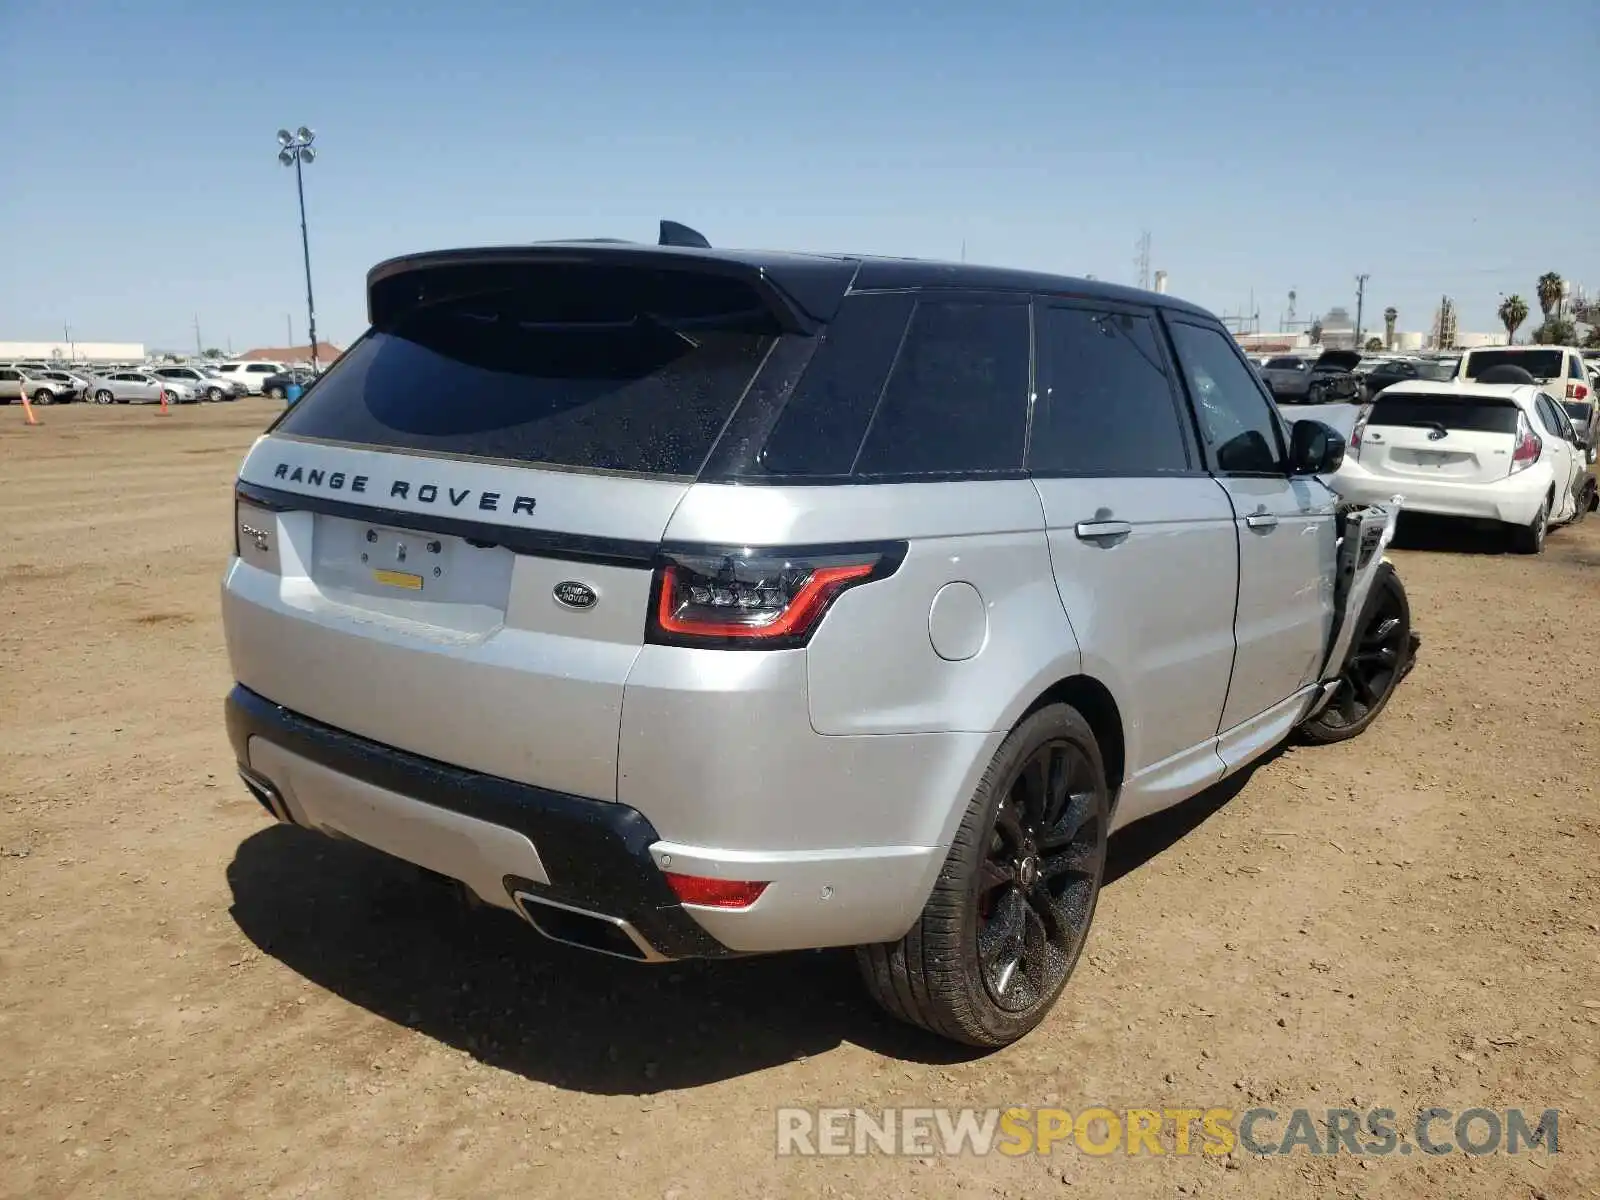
(1577, 391)
(714, 893)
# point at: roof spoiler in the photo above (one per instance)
(802, 293)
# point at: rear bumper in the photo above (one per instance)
(497, 836)
(1513, 501)
(504, 839)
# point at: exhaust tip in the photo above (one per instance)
(586, 930)
(266, 795)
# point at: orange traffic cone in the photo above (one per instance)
(163, 402)
(27, 409)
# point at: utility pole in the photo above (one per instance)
(1361, 295)
(1143, 261)
(199, 349)
(72, 351)
(288, 329)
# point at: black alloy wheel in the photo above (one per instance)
(1009, 914)
(1378, 660)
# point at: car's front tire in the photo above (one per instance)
(1002, 931)
(1380, 655)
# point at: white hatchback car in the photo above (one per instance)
(1495, 452)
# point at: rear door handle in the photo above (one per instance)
(1261, 521)
(1091, 530)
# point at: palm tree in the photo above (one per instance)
(1390, 316)
(1549, 292)
(1513, 312)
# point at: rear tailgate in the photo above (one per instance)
(1445, 436)
(447, 545)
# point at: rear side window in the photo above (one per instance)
(900, 385)
(1466, 414)
(957, 397)
(1106, 405)
(1541, 364)
(614, 369)
(820, 429)
(1284, 364)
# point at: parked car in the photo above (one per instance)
(141, 387)
(277, 386)
(207, 384)
(39, 386)
(1333, 379)
(1288, 377)
(1558, 369)
(252, 374)
(1497, 452)
(745, 602)
(1403, 370)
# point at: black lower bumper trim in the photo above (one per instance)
(596, 852)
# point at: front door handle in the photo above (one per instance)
(1091, 530)
(1261, 520)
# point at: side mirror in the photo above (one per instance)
(1315, 448)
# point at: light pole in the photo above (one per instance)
(293, 149)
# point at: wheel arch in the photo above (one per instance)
(1099, 707)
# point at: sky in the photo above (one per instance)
(1437, 149)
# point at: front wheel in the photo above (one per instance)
(1378, 659)
(1009, 914)
(214, 395)
(103, 397)
(277, 393)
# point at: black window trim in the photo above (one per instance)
(1279, 422)
(1192, 450)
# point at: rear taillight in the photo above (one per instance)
(1529, 446)
(1353, 446)
(1577, 391)
(756, 599)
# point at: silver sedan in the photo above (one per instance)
(141, 387)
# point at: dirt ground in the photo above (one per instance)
(195, 1002)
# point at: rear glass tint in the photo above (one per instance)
(819, 431)
(609, 369)
(1541, 364)
(899, 386)
(1466, 414)
(1578, 411)
(957, 398)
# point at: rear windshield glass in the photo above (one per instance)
(1578, 411)
(1475, 414)
(1282, 364)
(611, 369)
(1541, 364)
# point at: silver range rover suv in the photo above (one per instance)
(692, 602)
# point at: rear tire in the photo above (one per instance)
(1010, 912)
(276, 393)
(1379, 658)
(1529, 539)
(44, 396)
